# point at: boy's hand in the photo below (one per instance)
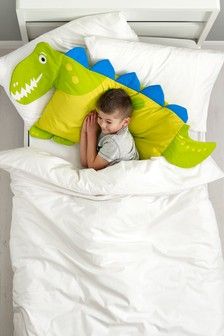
(92, 126)
(84, 124)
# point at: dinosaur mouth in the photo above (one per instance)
(25, 91)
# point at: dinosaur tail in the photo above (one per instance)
(185, 152)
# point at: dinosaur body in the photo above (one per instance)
(158, 128)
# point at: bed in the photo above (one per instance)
(132, 249)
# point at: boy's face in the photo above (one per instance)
(111, 123)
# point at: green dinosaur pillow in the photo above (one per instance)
(158, 128)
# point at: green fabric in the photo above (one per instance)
(185, 152)
(156, 129)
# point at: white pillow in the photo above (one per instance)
(186, 75)
(175, 42)
(63, 39)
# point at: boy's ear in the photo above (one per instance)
(126, 121)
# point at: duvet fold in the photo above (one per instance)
(150, 177)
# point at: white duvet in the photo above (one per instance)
(126, 251)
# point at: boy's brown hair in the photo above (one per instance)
(115, 99)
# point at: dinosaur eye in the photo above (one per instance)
(42, 59)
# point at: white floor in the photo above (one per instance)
(215, 126)
(11, 136)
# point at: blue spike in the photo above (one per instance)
(130, 80)
(179, 110)
(105, 68)
(79, 55)
(154, 92)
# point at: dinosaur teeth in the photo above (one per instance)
(28, 90)
(25, 91)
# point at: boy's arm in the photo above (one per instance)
(83, 145)
(93, 160)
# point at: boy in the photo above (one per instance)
(115, 142)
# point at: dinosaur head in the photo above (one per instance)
(36, 74)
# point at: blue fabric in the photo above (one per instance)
(105, 68)
(130, 80)
(79, 55)
(155, 93)
(180, 111)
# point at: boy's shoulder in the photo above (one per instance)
(118, 146)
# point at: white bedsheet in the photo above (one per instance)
(129, 250)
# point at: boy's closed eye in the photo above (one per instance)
(107, 121)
